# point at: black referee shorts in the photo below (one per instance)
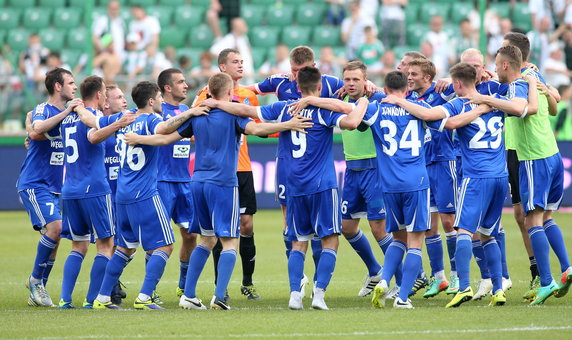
(513, 165)
(246, 193)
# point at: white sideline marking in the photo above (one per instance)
(341, 334)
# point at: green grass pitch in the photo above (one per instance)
(350, 316)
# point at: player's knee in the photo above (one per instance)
(80, 246)
(331, 242)
(208, 241)
(54, 229)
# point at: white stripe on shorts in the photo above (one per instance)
(36, 206)
(529, 174)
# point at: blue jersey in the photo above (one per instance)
(217, 140)
(310, 156)
(481, 142)
(517, 89)
(535, 74)
(439, 144)
(43, 166)
(85, 174)
(285, 89)
(174, 158)
(399, 142)
(112, 160)
(137, 179)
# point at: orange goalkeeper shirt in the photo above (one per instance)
(241, 95)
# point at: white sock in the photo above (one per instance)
(143, 297)
(103, 298)
(440, 275)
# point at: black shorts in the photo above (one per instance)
(246, 193)
(513, 165)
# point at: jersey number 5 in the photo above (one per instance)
(71, 143)
(409, 139)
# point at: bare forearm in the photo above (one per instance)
(552, 105)
(422, 112)
(157, 140)
(98, 136)
(172, 124)
(42, 126)
(237, 109)
(87, 117)
(265, 129)
(512, 107)
(331, 104)
(461, 120)
(354, 118)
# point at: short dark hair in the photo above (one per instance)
(301, 55)
(142, 92)
(166, 78)
(512, 54)
(55, 76)
(309, 78)
(218, 83)
(396, 80)
(223, 55)
(521, 41)
(355, 65)
(464, 72)
(90, 86)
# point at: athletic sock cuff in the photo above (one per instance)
(329, 251)
(535, 230)
(548, 223)
(388, 238)
(101, 255)
(228, 251)
(468, 237)
(161, 254)
(489, 242)
(76, 253)
(48, 242)
(399, 244)
(414, 251)
(451, 234)
(356, 237)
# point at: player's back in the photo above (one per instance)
(174, 158)
(85, 174)
(43, 166)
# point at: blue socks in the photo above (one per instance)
(410, 271)
(184, 267)
(71, 271)
(197, 261)
(541, 250)
(435, 252)
(153, 271)
(295, 269)
(362, 247)
(463, 260)
(393, 258)
(45, 247)
(316, 251)
(113, 271)
(226, 264)
(288, 245)
(493, 256)
(325, 268)
(502, 247)
(451, 246)
(96, 276)
(384, 243)
(47, 271)
(479, 253)
(554, 236)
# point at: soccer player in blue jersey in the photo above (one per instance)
(86, 195)
(141, 216)
(174, 177)
(214, 185)
(40, 181)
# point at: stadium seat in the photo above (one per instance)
(18, 39)
(201, 37)
(52, 38)
(67, 17)
(264, 36)
(310, 15)
(259, 56)
(429, 10)
(186, 16)
(102, 3)
(77, 38)
(162, 13)
(326, 36)
(193, 53)
(201, 3)
(37, 18)
(280, 16)
(2, 35)
(460, 11)
(296, 2)
(296, 35)
(401, 50)
(451, 30)
(144, 3)
(521, 17)
(21, 3)
(260, 2)
(500, 8)
(415, 34)
(252, 14)
(411, 14)
(10, 18)
(52, 3)
(173, 3)
(172, 37)
(70, 57)
(97, 12)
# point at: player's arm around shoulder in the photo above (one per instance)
(423, 112)
(355, 117)
(237, 109)
(172, 124)
(31, 133)
(296, 123)
(45, 125)
(459, 120)
(331, 104)
(133, 139)
(96, 136)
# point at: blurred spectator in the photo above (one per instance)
(496, 40)
(442, 51)
(185, 63)
(280, 64)
(549, 9)
(466, 40)
(135, 59)
(148, 29)
(555, 71)
(162, 60)
(566, 34)
(329, 63)
(492, 21)
(205, 69)
(237, 38)
(31, 58)
(539, 37)
(385, 64)
(336, 12)
(393, 22)
(369, 8)
(222, 9)
(371, 50)
(353, 29)
(562, 123)
(109, 32)
(54, 60)
(6, 71)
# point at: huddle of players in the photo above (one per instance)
(313, 208)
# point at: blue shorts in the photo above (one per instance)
(85, 217)
(315, 214)
(281, 180)
(176, 196)
(480, 204)
(42, 206)
(216, 210)
(459, 164)
(407, 210)
(541, 183)
(144, 222)
(362, 195)
(443, 184)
